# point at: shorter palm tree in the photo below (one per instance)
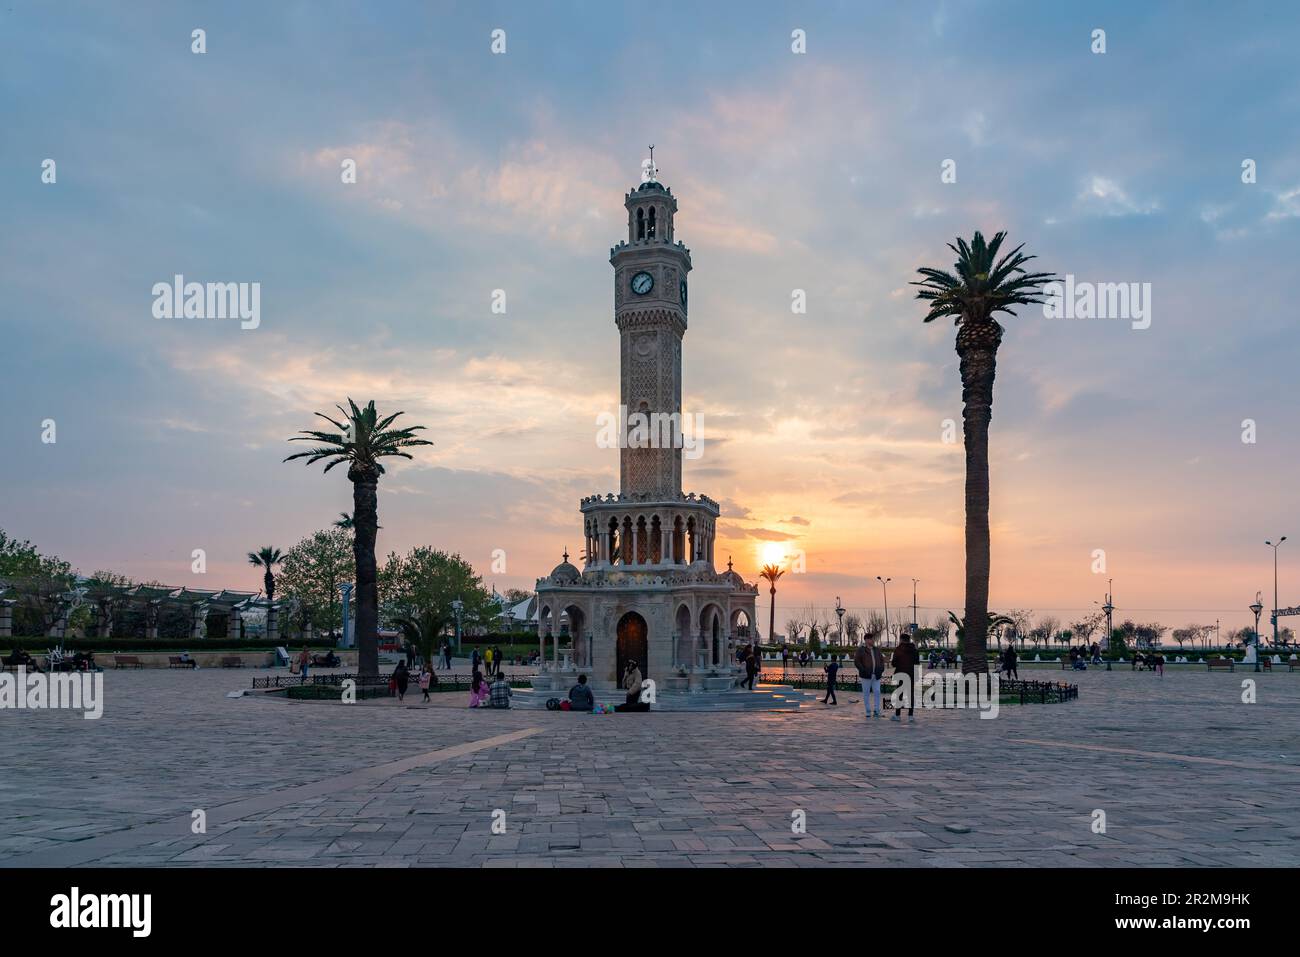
(771, 573)
(267, 558)
(363, 437)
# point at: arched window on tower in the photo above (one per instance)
(650, 231)
(640, 223)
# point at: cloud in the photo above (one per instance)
(1106, 197)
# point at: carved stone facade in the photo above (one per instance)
(648, 588)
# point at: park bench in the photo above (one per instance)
(176, 661)
(127, 661)
(1220, 663)
(232, 661)
(1293, 665)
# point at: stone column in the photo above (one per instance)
(307, 633)
(7, 617)
(555, 642)
(198, 622)
(666, 548)
(233, 622)
(151, 611)
(541, 647)
(632, 558)
(272, 624)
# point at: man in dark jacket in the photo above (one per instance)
(904, 663)
(871, 666)
(580, 696)
(751, 671)
(1009, 662)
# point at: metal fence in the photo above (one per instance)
(446, 681)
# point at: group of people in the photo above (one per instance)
(77, 661)
(1080, 656)
(490, 658)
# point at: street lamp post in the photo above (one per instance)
(1257, 608)
(839, 613)
(456, 606)
(915, 582)
(884, 583)
(1275, 605)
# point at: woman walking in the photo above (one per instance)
(401, 679)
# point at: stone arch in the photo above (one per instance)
(684, 654)
(742, 624)
(579, 634)
(714, 632)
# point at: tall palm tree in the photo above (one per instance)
(266, 558)
(984, 286)
(771, 573)
(362, 439)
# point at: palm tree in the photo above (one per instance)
(771, 573)
(362, 439)
(984, 286)
(266, 558)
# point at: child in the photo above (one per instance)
(425, 675)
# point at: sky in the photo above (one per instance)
(819, 171)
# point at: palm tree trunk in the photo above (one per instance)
(771, 619)
(977, 345)
(365, 519)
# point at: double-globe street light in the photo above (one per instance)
(884, 583)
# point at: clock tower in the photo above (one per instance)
(648, 590)
(650, 270)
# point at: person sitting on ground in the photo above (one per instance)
(478, 690)
(580, 696)
(499, 693)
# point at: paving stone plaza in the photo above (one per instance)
(1185, 773)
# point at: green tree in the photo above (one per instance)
(312, 571)
(984, 286)
(362, 439)
(417, 590)
(267, 558)
(38, 583)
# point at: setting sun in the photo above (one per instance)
(774, 553)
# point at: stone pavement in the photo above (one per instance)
(1185, 773)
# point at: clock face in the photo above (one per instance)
(642, 282)
(682, 291)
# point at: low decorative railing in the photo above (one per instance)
(1043, 692)
(446, 682)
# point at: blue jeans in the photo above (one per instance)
(870, 686)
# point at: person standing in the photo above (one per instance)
(904, 662)
(425, 676)
(487, 661)
(1009, 662)
(446, 653)
(474, 659)
(402, 679)
(751, 671)
(871, 667)
(832, 670)
(304, 662)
